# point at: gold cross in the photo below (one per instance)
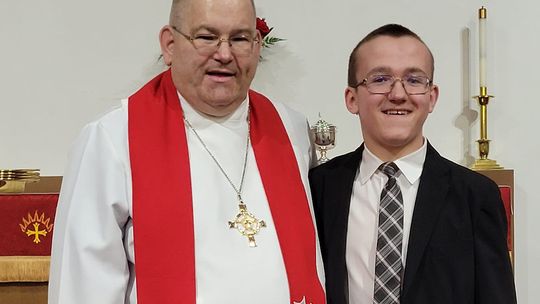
(36, 233)
(247, 224)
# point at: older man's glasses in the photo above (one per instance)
(208, 44)
(383, 84)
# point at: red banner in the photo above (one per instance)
(506, 195)
(26, 224)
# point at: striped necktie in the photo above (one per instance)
(388, 265)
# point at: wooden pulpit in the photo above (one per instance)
(26, 228)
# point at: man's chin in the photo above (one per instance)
(222, 105)
(403, 141)
(224, 96)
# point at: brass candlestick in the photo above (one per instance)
(484, 163)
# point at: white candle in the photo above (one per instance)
(482, 14)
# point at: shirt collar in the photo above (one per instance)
(410, 165)
(200, 120)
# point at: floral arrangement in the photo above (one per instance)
(265, 30)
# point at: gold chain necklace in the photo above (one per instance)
(244, 222)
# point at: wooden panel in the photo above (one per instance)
(23, 293)
(46, 184)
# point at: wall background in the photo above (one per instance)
(64, 63)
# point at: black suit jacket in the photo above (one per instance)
(457, 252)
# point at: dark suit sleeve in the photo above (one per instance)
(316, 185)
(494, 281)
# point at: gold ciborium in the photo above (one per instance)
(324, 137)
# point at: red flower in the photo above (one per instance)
(262, 27)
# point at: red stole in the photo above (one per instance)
(162, 201)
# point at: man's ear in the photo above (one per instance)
(351, 100)
(260, 38)
(166, 41)
(433, 97)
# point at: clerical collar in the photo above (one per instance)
(410, 165)
(200, 120)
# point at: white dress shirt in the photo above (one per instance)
(364, 214)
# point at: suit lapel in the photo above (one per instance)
(430, 200)
(341, 185)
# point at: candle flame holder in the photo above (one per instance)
(484, 163)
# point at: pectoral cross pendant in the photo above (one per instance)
(247, 224)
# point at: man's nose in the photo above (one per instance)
(224, 51)
(398, 92)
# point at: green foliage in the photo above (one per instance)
(270, 40)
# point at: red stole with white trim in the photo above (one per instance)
(165, 249)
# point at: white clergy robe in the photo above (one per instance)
(93, 252)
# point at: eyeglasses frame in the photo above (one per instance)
(364, 83)
(219, 41)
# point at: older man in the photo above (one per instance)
(194, 191)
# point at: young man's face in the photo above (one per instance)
(392, 123)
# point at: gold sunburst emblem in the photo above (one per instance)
(36, 225)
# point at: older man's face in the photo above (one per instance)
(218, 82)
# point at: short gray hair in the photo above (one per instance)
(176, 7)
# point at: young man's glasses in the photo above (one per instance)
(383, 84)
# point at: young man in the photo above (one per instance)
(398, 223)
(194, 191)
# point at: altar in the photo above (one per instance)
(26, 223)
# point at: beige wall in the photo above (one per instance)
(63, 63)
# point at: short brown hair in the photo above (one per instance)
(392, 30)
